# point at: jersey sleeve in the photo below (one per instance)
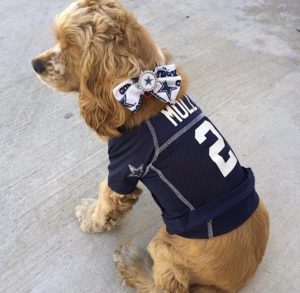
(129, 156)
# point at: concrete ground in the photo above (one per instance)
(242, 58)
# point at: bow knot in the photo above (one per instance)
(163, 83)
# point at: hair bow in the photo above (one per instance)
(163, 83)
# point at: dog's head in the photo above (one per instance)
(99, 44)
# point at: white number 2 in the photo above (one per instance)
(216, 148)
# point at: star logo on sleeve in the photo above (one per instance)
(167, 89)
(136, 172)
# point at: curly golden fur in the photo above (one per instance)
(100, 44)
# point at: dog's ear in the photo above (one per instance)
(140, 44)
(118, 48)
(106, 62)
(101, 111)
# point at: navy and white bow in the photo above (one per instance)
(163, 83)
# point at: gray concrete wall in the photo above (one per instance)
(242, 58)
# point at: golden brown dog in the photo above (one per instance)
(99, 45)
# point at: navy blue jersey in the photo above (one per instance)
(192, 173)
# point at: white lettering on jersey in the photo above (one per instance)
(192, 109)
(183, 113)
(179, 111)
(170, 114)
(216, 148)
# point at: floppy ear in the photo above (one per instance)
(118, 49)
(101, 111)
(141, 45)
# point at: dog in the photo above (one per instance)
(216, 227)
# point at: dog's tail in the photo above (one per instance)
(135, 268)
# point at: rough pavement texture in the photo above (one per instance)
(242, 58)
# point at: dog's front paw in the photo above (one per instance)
(89, 220)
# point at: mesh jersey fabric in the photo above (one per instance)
(189, 168)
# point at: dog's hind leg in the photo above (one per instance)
(138, 270)
(135, 269)
(169, 275)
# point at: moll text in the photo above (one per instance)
(178, 112)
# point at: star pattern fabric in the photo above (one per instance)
(165, 88)
(125, 102)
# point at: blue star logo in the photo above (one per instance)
(136, 172)
(167, 89)
(125, 103)
(148, 80)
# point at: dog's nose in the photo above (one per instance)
(38, 66)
